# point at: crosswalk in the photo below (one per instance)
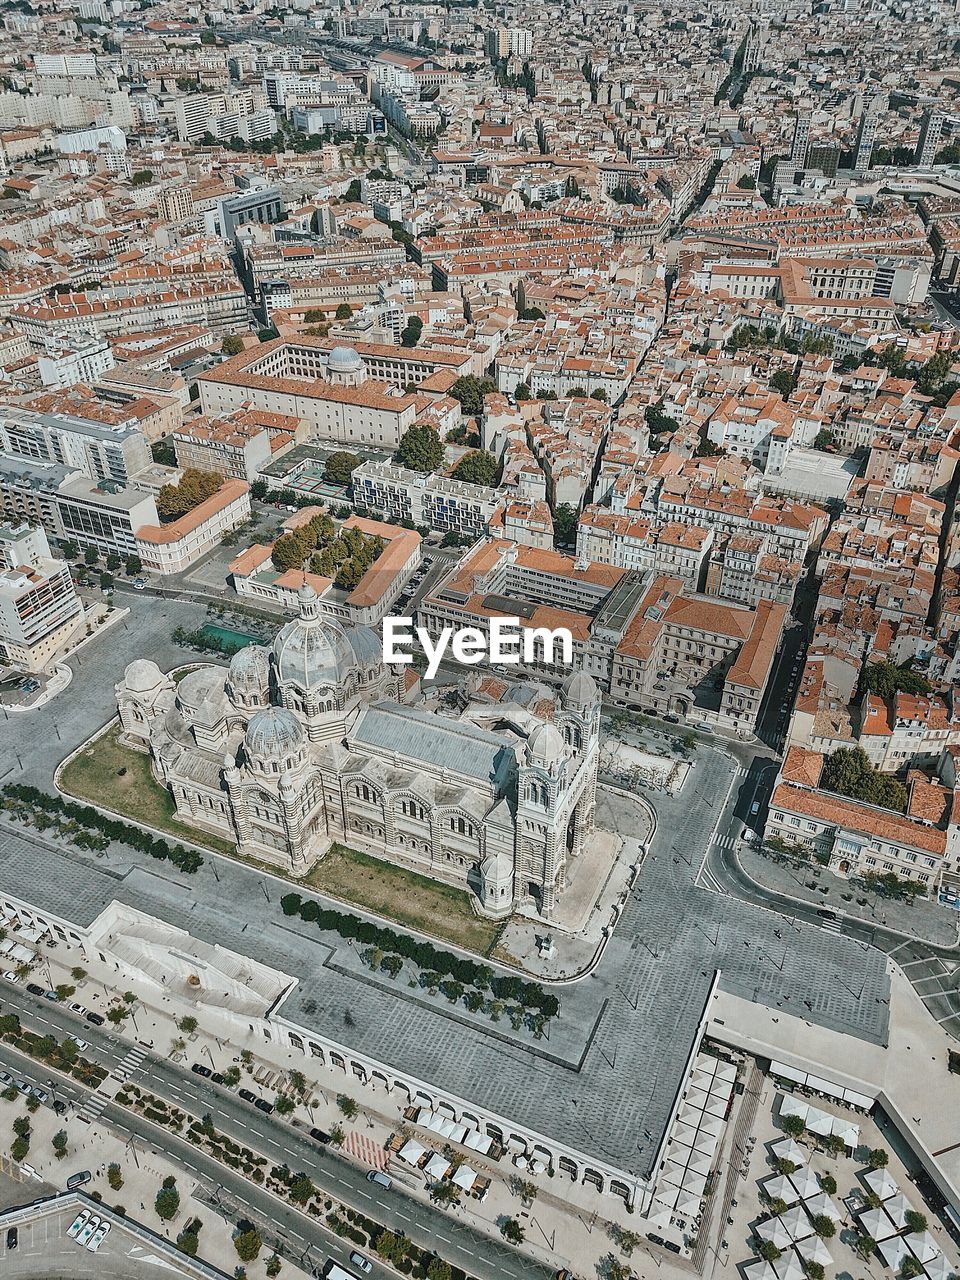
(725, 842)
(365, 1150)
(95, 1103)
(831, 926)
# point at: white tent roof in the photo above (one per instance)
(797, 1223)
(694, 1182)
(875, 1223)
(939, 1268)
(924, 1246)
(819, 1122)
(673, 1174)
(684, 1134)
(478, 1141)
(805, 1183)
(437, 1167)
(823, 1204)
(814, 1250)
(774, 1230)
(759, 1270)
(780, 1188)
(788, 1149)
(892, 1251)
(789, 1267)
(711, 1124)
(464, 1177)
(790, 1106)
(707, 1143)
(850, 1133)
(688, 1202)
(726, 1070)
(411, 1151)
(700, 1162)
(898, 1207)
(881, 1183)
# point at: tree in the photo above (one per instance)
(301, 1189)
(794, 1126)
(140, 177)
(747, 183)
(352, 193)
(627, 1241)
(512, 1231)
(564, 525)
(167, 1203)
(657, 421)
(521, 392)
(59, 1143)
(848, 772)
(232, 345)
(834, 1143)
(421, 449)
(347, 1106)
(814, 1269)
(884, 679)
(117, 1014)
(91, 555)
(231, 1077)
(19, 1149)
(285, 1104)
(133, 566)
(768, 1251)
(916, 1222)
(823, 1225)
(188, 1024)
(878, 1158)
(114, 1177)
(910, 1267)
(829, 1183)
(599, 394)
(825, 440)
(470, 391)
(439, 1270)
(784, 382)
(344, 311)
(444, 1193)
(259, 490)
(865, 1245)
(340, 466)
(477, 467)
(388, 1246)
(106, 581)
(188, 1242)
(248, 1245)
(289, 551)
(412, 331)
(175, 500)
(785, 1166)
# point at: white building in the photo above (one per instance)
(450, 506)
(72, 357)
(39, 606)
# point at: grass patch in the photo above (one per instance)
(94, 775)
(403, 897)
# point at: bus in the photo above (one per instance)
(333, 1271)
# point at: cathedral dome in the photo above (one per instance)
(579, 690)
(313, 650)
(273, 734)
(142, 676)
(545, 745)
(344, 360)
(250, 667)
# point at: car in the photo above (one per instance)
(671, 1245)
(380, 1179)
(79, 1222)
(98, 1237)
(95, 1018)
(77, 1008)
(13, 1238)
(263, 1105)
(217, 1078)
(82, 1045)
(247, 1096)
(199, 1069)
(84, 1234)
(138, 585)
(754, 808)
(655, 1239)
(51, 995)
(11, 976)
(5, 1078)
(35, 990)
(78, 1179)
(41, 1095)
(318, 1135)
(59, 1106)
(360, 1261)
(22, 1086)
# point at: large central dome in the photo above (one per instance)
(313, 650)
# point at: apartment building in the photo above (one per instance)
(442, 504)
(102, 451)
(237, 446)
(40, 611)
(119, 310)
(646, 546)
(174, 547)
(68, 358)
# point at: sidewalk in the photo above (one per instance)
(925, 920)
(566, 1224)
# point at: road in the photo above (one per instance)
(433, 1229)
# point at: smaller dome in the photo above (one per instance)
(273, 734)
(545, 745)
(250, 667)
(579, 690)
(344, 360)
(143, 676)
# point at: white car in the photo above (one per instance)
(77, 1008)
(82, 1045)
(11, 976)
(87, 1231)
(98, 1237)
(78, 1223)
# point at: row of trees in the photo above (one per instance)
(530, 995)
(132, 565)
(186, 860)
(848, 772)
(345, 557)
(175, 500)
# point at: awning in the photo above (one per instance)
(858, 1099)
(411, 1152)
(478, 1141)
(881, 1183)
(825, 1086)
(786, 1072)
(437, 1167)
(464, 1177)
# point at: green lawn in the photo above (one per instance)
(403, 897)
(114, 777)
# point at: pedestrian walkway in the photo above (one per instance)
(107, 1091)
(365, 1150)
(131, 1063)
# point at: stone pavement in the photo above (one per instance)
(924, 919)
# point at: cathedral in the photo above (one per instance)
(314, 741)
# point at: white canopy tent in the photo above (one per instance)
(881, 1183)
(779, 1187)
(875, 1223)
(813, 1249)
(805, 1183)
(788, 1149)
(822, 1204)
(464, 1177)
(893, 1251)
(924, 1246)
(776, 1232)
(797, 1223)
(789, 1267)
(437, 1167)
(897, 1208)
(411, 1152)
(759, 1270)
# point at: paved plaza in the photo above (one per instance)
(608, 1087)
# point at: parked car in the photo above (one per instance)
(87, 1231)
(98, 1237)
(41, 1095)
(247, 1096)
(78, 1179)
(59, 1106)
(82, 1045)
(358, 1260)
(79, 1222)
(380, 1179)
(35, 990)
(11, 976)
(5, 1078)
(22, 1086)
(51, 995)
(671, 1245)
(263, 1105)
(95, 1018)
(217, 1078)
(200, 1070)
(318, 1135)
(13, 1238)
(77, 1008)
